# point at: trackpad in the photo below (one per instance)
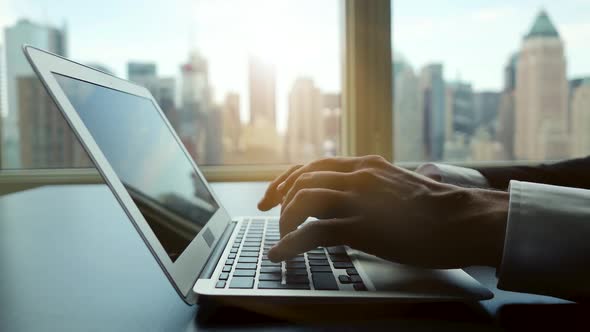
(404, 280)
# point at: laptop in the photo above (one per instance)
(202, 250)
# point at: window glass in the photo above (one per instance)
(242, 81)
(482, 81)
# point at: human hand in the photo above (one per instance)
(373, 206)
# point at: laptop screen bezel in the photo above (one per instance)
(182, 273)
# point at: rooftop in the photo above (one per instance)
(542, 27)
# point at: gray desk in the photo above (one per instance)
(70, 260)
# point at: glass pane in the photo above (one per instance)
(481, 81)
(241, 81)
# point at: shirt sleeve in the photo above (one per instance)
(460, 176)
(547, 242)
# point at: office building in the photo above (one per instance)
(505, 128)
(332, 119)
(541, 94)
(304, 139)
(141, 71)
(581, 119)
(46, 139)
(408, 115)
(460, 110)
(262, 87)
(484, 147)
(23, 32)
(485, 108)
(198, 120)
(432, 88)
(231, 127)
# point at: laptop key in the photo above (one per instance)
(234, 250)
(248, 260)
(244, 273)
(276, 269)
(321, 269)
(339, 258)
(336, 250)
(270, 277)
(343, 265)
(251, 249)
(356, 279)
(360, 286)
(352, 271)
(319, 263)
(278, 285)
(324, 281)
(246, 266)
(296, 265)
(316, 256)
(231, 256)
(229, 262)
(249, 254)
(296, 259)
(227, 268)
(297, 279)
(241, 282)
(224, 276)
(344, 279)
(297, 272)
(220, 284)
(270, 264)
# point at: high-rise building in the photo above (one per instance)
(23, 32)
(332, 119)
(505, 128)
(231, 127)
(162, 88)
(408, 114)
(46, 139)
(460, 110)
(304, 140)
(198, 120)
(432, 87)
(485, 109)
(541, 94)
(262, 87)
(581, 119)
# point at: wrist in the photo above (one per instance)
(490, 209)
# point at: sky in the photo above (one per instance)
(472, 38)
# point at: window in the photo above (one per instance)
(479, 81)
(243, 82)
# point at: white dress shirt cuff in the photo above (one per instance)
(460, 176)
(547, 242)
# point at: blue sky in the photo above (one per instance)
(473, 39)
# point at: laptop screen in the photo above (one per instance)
(148, 160)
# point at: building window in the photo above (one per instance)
(489, 82)
(245, 82)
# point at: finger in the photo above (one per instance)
(322, 179)
(271, 197)
(325, 233)
(320, 203)
(329, 164)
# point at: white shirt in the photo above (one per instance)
(547, 242)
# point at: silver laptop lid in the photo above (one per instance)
(143, 161)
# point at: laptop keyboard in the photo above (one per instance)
(248, 266)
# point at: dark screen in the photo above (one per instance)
(148, 160)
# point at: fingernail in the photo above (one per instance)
(281, 186)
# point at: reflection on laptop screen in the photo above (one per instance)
(147, 159)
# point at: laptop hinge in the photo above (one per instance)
(209, 267)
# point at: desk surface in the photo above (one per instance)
(70, 260)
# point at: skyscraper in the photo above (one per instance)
(232, 127)
(541, 94)
(45, 37)
(199, 121)
(581, 119)
(460, 110)
(46, 139)
(408, 114)
(262, 86)
(485, 108)
(432, 87)
(162, 88)
(505, 128)
(332, 119)
(304, 141)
